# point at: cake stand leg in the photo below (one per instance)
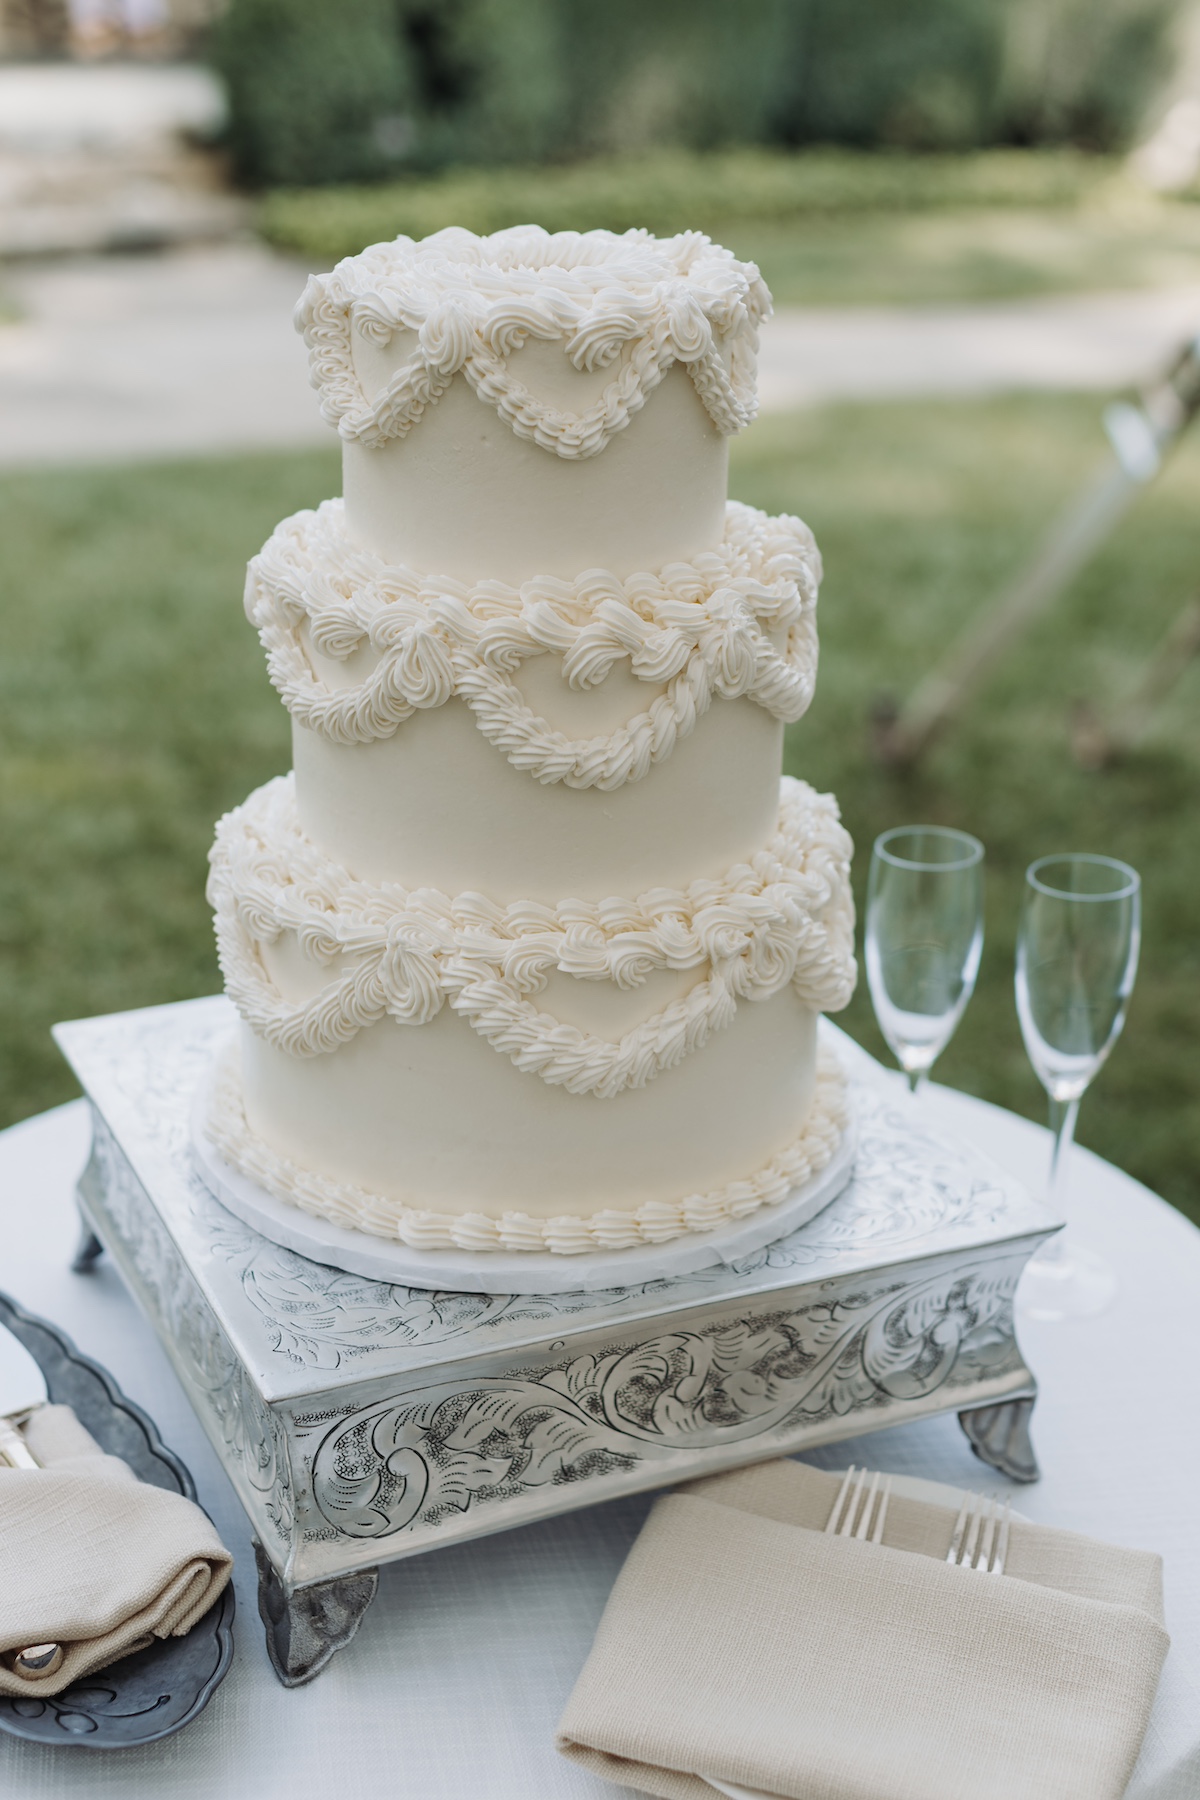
(999, 1436)
(87, 1250)
(306, 1625)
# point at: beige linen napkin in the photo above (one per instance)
(741, 1643)
(94, 1559)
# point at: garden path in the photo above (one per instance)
(119, 358)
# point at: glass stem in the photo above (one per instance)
(914, 1077)
(1063, 1114)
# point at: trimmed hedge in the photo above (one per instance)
(671, 191)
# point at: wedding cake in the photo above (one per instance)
(529, 949)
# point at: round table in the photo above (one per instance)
(455, 1682)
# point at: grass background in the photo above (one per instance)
(947, 257)
(134, 708)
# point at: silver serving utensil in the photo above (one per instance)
(22, 1391)
(38, 1659)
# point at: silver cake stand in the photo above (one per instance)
(362, 1420)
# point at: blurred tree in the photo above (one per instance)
(492, 79)
(317, 93)
(922, 74)
(692, 72)
(322, 93)
(1083, 71)
(33, 28)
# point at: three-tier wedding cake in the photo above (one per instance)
(529, 949)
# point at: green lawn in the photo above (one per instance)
(826, 226)
(134, 708)
(982, 254)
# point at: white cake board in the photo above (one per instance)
(508, 1271)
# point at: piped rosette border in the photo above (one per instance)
(737, 621)
(654, 1222)
(630, 302)
(784, 916)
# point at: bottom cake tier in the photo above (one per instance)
(616, 1225)
(451, 1072)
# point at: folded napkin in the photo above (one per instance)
(94, 1559)
(741, 1643)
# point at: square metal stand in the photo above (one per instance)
(361, 1422)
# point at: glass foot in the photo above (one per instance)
(1075, 1284)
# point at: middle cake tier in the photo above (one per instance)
(426, 1057)
(559, 738)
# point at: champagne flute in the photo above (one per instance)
(924, 937)
(1077, 956)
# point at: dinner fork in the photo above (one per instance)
(849, 1521)
(976, 1542)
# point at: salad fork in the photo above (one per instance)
(979, 1540)
(976, 1542)
(849, 1521)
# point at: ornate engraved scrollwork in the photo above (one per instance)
(442, 1450)
(252, 1434)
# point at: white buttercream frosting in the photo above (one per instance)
(653, 1222)
(631, 303)
(696, 630)
(785, 916)
(395, 921)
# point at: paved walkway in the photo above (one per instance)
(118, 358)
(1079, 341)
(109, 157)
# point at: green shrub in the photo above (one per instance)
(668, 191)
(325, 94)
(317, 93)
(491, 79)
(921, 74)
(1083, 71)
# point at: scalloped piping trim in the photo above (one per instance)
(785, 916)
(643, 302)
(702, 628)
(654, 1222)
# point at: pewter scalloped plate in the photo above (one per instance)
(161, 1689)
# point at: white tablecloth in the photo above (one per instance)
(455, 1682)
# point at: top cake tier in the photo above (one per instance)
(534, 404)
